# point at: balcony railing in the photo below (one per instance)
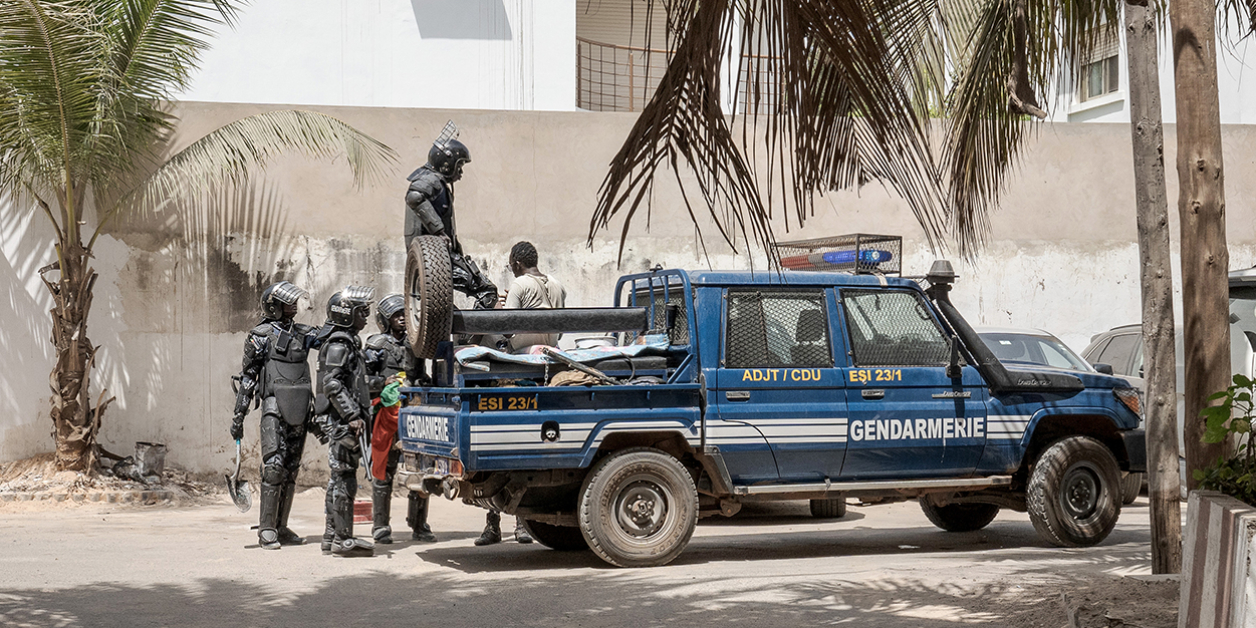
(616, 78)
(610, 77)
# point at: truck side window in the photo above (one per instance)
(1119, 351)
(889, 328)
(777, 328)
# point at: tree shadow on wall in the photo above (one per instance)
(26, 245)
(462, 19)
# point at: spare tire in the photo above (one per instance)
(429, 295)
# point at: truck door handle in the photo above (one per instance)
(737, 395)
(873, 393)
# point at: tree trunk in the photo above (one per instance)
(75, 422)
(1159, 362)
(1201, 210)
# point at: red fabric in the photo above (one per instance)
(382, 437)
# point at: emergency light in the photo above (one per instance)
(856, 253)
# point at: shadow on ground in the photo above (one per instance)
(615, 598)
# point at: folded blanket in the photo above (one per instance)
(652, 343)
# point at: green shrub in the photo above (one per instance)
(1234, 474)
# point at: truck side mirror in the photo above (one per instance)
(952, 368)
(1106, 369)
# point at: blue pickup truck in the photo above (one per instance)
(772, 386)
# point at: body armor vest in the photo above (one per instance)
(396, 356)
(286, 376)
(355, 367)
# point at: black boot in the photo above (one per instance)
(329, 530)
(521, 533)
(344, 543)
(417, 518)
(268, 518)
(286, 535)
(492, 530)
(381, 506)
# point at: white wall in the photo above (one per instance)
(451, 54)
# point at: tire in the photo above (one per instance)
(1131, 486)
(638, 508)
(958, 517)
(429, 295)
(1074, 495)
(828, 508)
(560, 538)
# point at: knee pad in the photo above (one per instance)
(273, 474)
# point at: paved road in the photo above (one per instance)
(879, 566)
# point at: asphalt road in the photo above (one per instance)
(879, 566)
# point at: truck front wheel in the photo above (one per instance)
(828, 508)
(958, 517)
(561, 538)
(1074, 495)
(638, 508)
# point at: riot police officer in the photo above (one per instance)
(277, 372)
(387, 356)
(343, 405)
(430, 203)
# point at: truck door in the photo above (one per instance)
(907, 418)
(777, 376)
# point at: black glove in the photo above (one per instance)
(237, 427)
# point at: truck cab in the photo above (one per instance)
(772, 386)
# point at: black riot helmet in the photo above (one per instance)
(387, 308)
(448, 155)
(350, 307)
(276, 296)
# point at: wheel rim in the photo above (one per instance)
(415, 324)
(1080, 491)
(641, 508)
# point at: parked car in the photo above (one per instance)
(1031, 346)
(1121, 348)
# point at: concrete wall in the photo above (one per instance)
(469, 54)
(177, 290)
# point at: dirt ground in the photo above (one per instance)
(198, 565)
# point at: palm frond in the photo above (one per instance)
(47, 75)
(1011, 51)
(229, 154)
(838, 83)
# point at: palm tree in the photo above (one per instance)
(85, 87)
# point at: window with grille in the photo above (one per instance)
(675, 296)
(777, 328)
(1101, 72)
(890, 328)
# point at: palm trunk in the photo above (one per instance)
(1159, 363)
(75, 422)
(1201, 210)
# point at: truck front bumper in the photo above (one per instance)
(1136, 449)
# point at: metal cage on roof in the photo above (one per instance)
(854, 253)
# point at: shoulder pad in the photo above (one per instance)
(336, 352)
(426, 182)
(377, 341)
(262, 329)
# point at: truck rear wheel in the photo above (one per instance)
(828, 508)
(1074, 495)
(638, 508)
(958, 517)
(561, 538)
(429, 295)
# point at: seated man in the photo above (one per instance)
(532, 290)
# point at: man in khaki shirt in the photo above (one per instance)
(530, 290)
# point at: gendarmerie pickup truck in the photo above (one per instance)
(736, 387)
